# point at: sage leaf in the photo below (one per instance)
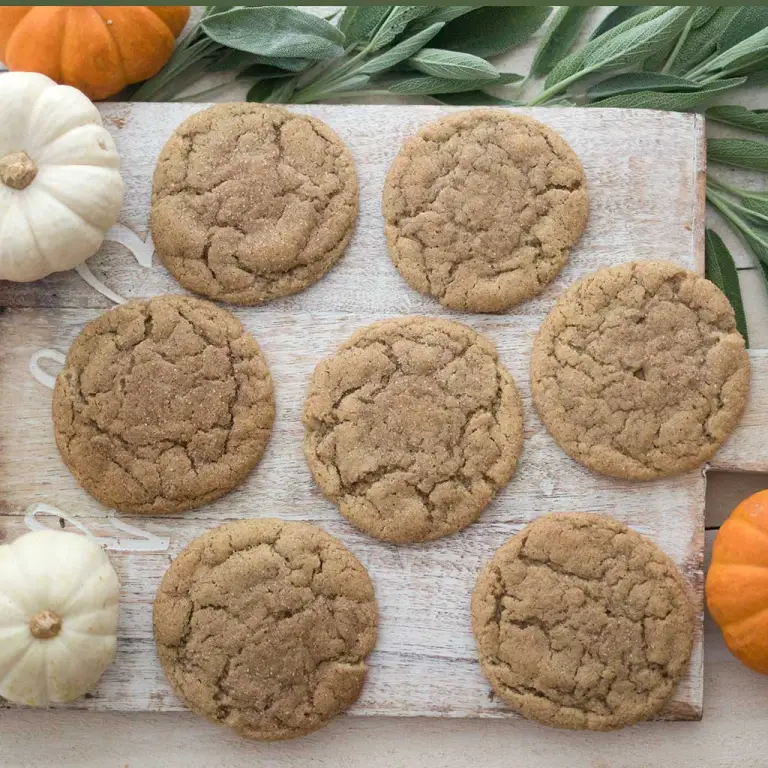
(507, 77)
(491, 30)
(748, 51)
(743, 25)
(359, 22)
(445, 14)
(352, 83)
(631, 82)
(238, 59)
(452, 65)
(427, 85)
(398, 18)
(616, 17)
(574, 63)
(402, 51)
(702, 41)
(560, 35)
(739, 153)
(721, 270)
(262, 72)
(635, 45)
(475, 99)
(749, 119)
(758, 205)
(673, 102)
(274, 30)
(271, 91)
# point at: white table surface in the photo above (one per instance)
(732, 733)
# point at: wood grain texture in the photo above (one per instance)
(643, 171)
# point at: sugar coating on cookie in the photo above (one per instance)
(264, 625)
(582, 623)
(482, 208)
(252, 202)
(411, 428)
(638, 371)
(162, 405)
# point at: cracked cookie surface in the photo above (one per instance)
(162, 405)
(411, 428)
(638, 371)
(482, 208)
(582, 623)
(264, 625)
(252, 202)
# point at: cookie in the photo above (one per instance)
(252, 202)
(482, 208)
(162, 405)
(411, 428)
(264, 626)
(638, 371)
(582, 623)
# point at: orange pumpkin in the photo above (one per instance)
(737, 582)
(97, 48)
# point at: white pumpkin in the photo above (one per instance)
(60, 183)
(58, 617)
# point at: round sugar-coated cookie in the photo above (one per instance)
(411, 428)
(582, 623)
(252, 202)
(162, 405)
(482, 208)
(638, 371)
(264, 626)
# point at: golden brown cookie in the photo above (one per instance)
(252, 202)
(162, 405)
(638, 371)
(482, 208)
(582, 623)
(411, 428)
(264, 626)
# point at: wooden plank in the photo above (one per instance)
(644, 174)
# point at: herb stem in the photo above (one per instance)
(738, 207)
(678, 46)
(559, 87)
(724, 206)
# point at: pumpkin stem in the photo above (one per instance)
(17, 170)
(45, 625)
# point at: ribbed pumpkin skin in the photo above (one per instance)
(737, 582)
(97, 49)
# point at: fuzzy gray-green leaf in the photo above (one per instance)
(674, 102)
(739, 153)
(574, 63)
(445, 14)
(747, 52)
(702, 41)
(721, 270)
(358, 22)
(631, 82)
(491, 30)
(617, 16)
(749, 119)
(427, 85)
(399, 17)
(452, 65)
(401, 51)
(475, 99)
(560, 35)
(743, 25)
(275, 30)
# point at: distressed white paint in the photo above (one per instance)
(645, 175)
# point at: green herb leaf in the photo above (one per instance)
(750, 119)
(743, 25)
(274, 30)
(560, 35)
(395, 23)
(241, 59)
(491, 30)
(674, 102)
(475, 99)
(635, 45)
(747, 52)
(262, 72)
(721, 270)
(426, 86)
(401, 51)
(617, 16)
(271, 91)
(740, 153)
(359, 22)
(702, 41)
(445, 14)
(631, 82)
(574, 63)
(758, 205)
(353, 83)
(452, 65)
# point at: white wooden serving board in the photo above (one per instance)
(645, 174)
